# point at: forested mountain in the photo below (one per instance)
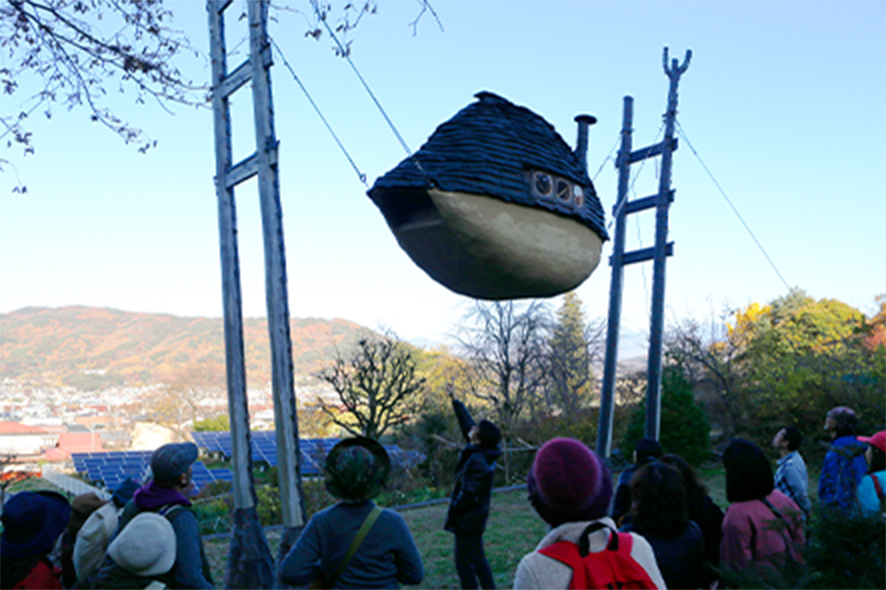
(92, 348)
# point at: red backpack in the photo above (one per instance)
(612, 568)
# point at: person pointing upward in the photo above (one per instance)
(469, 504)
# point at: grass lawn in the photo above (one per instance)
(514, 529)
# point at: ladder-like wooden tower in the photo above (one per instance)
(250, 564)
(658, 254)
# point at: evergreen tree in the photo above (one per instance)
(571, 380)
(685, 429)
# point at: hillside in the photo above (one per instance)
(92, 348)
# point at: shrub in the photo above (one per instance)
(214, 516)
(270, 511)
(684, 427)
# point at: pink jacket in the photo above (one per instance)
(753, 534)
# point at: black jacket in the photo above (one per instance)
(469, 504)
(620, 510)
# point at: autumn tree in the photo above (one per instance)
(377, 386)
(572, 345)
(806, 356)
(790, 360)
(875, 328)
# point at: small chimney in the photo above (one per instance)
(581, 147)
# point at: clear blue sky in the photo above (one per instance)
(784, 101)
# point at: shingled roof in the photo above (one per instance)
(487, 148)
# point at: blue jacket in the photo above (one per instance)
(867, 493)
(474, 474)
(843, 468)
(386, 558)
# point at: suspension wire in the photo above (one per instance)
(341, 146)
(642, 266)
(606, 159)
(346, 54)
(633, 191)
(682, 133)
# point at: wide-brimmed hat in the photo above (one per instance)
(568, 482)
(32, 523)
(357, 469)
(878, 440)
(145, 546)
(171, 460)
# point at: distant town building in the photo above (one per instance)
(25, 441)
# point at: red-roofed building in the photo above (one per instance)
(74, 442)
(19, 428)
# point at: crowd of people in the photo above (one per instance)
(656, 528)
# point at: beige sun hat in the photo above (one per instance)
(146, 546)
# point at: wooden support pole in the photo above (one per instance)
(653, 373)
(238, 410)
(276, 292)
(607, 391)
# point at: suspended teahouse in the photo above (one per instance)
(496, 205)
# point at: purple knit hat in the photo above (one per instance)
(568, 482)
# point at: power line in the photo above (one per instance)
(606, 159)
(729, 201)
(344, 150)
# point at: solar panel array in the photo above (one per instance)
(202, 475)
(313, 451)
(113, 467)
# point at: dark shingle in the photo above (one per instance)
(487, 149)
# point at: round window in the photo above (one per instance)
(578, 196)
(564, 191)
(543, 184)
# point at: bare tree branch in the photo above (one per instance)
(505, 343)
(61, 41)
(377, 386)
